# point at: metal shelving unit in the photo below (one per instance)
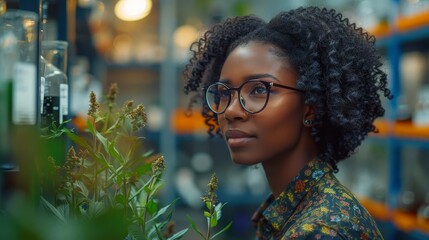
(395, 43)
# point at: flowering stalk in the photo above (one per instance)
(158, 167)
(93, 113)
(211, 201)
(111, 98)
(214, 212)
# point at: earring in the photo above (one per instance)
(307, 122)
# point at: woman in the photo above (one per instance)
(297, 95)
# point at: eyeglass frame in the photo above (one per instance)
(267, 84)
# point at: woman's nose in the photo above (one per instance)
(235, 111)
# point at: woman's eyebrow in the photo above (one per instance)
(261, 75)
(252, 77)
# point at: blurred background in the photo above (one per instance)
(143, 46)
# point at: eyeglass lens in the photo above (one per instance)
(253, 96)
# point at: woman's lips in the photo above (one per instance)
(237, 138)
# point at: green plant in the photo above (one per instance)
(107, 168)
(213, 212)
(108, 187)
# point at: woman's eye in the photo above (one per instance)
(223, 93)
(259, 90)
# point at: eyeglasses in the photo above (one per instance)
(253, 95)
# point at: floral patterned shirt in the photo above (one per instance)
(315, 205)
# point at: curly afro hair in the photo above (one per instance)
(337, 64)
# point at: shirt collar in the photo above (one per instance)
(276, 211)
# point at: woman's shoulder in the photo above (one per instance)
(331, 210)
(339, 201)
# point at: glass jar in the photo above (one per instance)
(18, 77)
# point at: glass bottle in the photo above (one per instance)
(18, 81)
(54, 82)
(8, 56)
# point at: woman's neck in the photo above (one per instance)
(280, 172)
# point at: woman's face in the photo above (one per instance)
(269, 135)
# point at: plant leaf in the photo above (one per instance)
(104, 141)
(53, 210)
(218, 210)
(115, 153)
(209, 205)
(136, 232)
(162, 211)
(90, 126)
(194, 226)
(54, 130)
(145, 187)
(113, 126)
(221, 231)
(77, 139)
(179, 234)
(121, 200)
(147, 154)
(152, 206)
(213, 221)
(64, 210)
(155, 188)
(83, 189)
(158, 232)
(95, 209)
(101, 159)
(154, 232)
(143, 168)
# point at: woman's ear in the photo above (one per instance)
(309, 115)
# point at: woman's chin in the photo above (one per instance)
(244, 161)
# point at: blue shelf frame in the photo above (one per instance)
(394, 149)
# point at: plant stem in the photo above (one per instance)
(95, 166)
(144, 216)
(209, 223)
(124, 189)
(148, 196)
(106, 124)
(212, 209)
(73, 201)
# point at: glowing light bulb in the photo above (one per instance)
(132, 10)
(185, 35)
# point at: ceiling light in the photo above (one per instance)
(132, 10)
